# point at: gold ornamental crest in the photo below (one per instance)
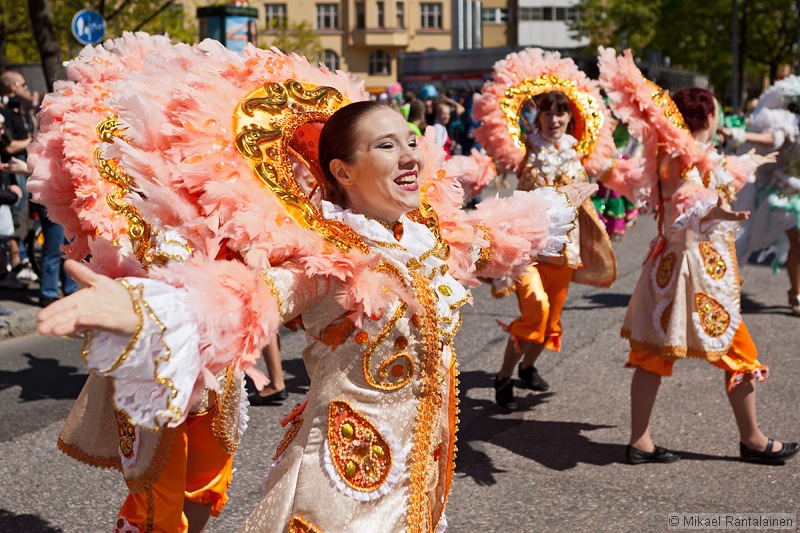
(587, 113)
(280, 120)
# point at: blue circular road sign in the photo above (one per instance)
(88, 27)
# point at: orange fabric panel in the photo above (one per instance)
(197, 469)
(541, 293)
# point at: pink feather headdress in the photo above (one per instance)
(149, 139)
(651, 117)
(522, 75)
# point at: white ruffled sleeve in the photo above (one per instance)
(562, 215)
(156, 370)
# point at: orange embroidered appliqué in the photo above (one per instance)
(335, 334)
(713, 317)
(360, 454)
(665, 269)
(712, 261)
(665, 317)
(299, 525)
(126, 434)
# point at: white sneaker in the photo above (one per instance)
(26, 273)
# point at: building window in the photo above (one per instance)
(573, 13)
(276, 15)
(330, 59)
(561, 13)
(380, 63)
(531, 13)
(328, 16)
(381, 21)
(495, 15)
(401, 16)
(361, 20)
(430, 16)
(547, 13)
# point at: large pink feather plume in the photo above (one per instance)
(493, 133)
(473, 172)
(632, 101)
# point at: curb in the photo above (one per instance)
(23, 320)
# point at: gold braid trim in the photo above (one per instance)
(430, 400)
(366, 360)
(224, 425)
(271, 284)
(485, 254)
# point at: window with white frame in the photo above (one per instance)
(494, 15)
(331, 59)
(328, 16)
(380, 63)
(574, 13)
(430, 16)
(276, 15)
(400, 11)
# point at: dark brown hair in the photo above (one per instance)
(695, 105)
(416, 112)
(337, 140)
(557, 102)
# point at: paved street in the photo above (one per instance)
(555, 465)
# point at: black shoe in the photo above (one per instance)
(769, 457)
(634, 456)
(504, 393)
(532, 380)
(44, 302)
(275, 398)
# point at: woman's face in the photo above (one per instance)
(383, 180)
(553, 124)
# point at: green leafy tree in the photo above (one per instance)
(618, 23)
(297, 37)
(22, 42)
(697, 35)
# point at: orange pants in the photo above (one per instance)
(197, 469)
(741, 359)
(541, 292)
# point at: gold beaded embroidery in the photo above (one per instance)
(359, 453)
(225, 425)
(288, 436)
(126, 433)
(430, 403)
(665, 317)
(485, 254)
(713, 317)
(712, 261)
(299, 525)
(401, 358)
(665, 268)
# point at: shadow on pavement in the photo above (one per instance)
(752, 307)
(25, 522)
(553, 444)
(44, 379)
(601, 300)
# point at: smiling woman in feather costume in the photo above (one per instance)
(202, 242)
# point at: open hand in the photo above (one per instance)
(722, 211)
(103, 304)
(763, 159)
(578, 192)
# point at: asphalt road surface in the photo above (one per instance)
(554, 465)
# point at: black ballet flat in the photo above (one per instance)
(634, 456)
(270, 399)
(769, 457)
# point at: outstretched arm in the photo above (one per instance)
(164, 341)
(509, 233)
